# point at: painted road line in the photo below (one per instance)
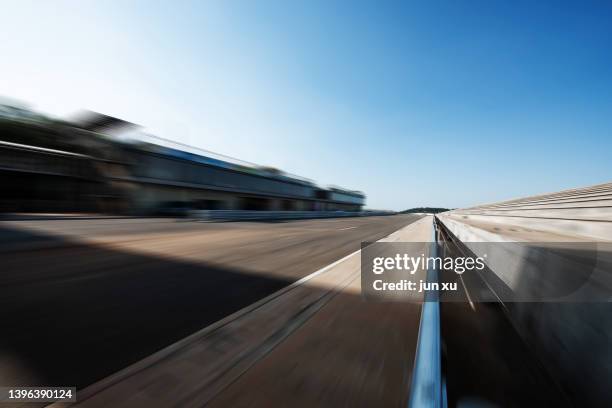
(175, 347)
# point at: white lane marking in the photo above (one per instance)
(344, 229)
(154, 358)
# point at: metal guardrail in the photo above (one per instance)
(428, 389)
(243, 215)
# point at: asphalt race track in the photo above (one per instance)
(82, 298)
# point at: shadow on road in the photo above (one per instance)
(74, 313)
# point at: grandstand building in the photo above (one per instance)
(77, 166)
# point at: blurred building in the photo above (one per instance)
(78, 165)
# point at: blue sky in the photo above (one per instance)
(416, 103)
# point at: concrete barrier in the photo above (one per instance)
(584, 213)
(572, 339)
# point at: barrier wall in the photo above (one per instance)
(572, 339)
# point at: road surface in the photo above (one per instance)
(82, 299)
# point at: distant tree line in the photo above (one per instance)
(433, 210)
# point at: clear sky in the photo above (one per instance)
(416, 103)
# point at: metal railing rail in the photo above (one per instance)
(428, 389)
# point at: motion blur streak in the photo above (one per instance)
(82, 299)
(98, 163)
